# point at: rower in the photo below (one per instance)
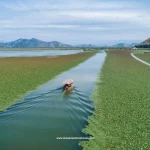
(68, 84)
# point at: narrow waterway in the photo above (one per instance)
(47, 113)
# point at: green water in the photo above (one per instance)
(48, 113)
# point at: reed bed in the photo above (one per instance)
(20, 75)
(122, 106)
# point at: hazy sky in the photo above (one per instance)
(75, 21)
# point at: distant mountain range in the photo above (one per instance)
(119, 45)
(144, 44)
(33, 43)
(86, 46)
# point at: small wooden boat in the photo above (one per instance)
(68, 85)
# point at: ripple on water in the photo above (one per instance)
(47, 113)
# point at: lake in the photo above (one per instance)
(37, 53)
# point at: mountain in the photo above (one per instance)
(133, 44)
(2, 44)
(85, 46)
(58, 44)
(34, 43)
(121, 45)
(144, 44)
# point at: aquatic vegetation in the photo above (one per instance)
(19, 75)
(121, 100)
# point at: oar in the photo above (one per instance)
(61, 95)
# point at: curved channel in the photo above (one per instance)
(47, 113)
(142, 61)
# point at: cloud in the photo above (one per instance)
(86, 18)
(66, 4)
(70, 19)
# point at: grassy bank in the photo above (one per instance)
(19, 75)
(143, 56)
(122, 107)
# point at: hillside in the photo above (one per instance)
(121, 45)
(144, 44)
(85, 46)
(33, 43)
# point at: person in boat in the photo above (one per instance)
(67, 86)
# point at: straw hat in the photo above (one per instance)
(69, 81)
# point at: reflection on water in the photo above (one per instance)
(48, 113)
(33, 53)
